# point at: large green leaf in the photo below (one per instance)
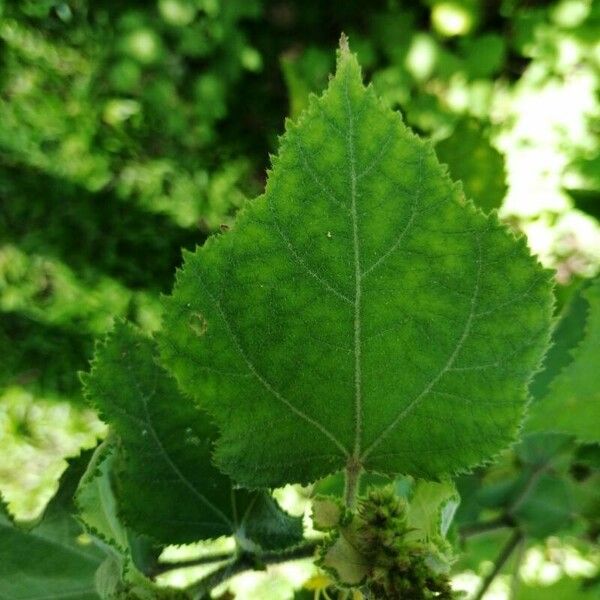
(571, 403)
(361, 312)
(166, 486)
(49, 559)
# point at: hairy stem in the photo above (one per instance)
(245, 562)
(352, 482)
(510, 546)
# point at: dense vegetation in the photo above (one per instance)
(131, 130)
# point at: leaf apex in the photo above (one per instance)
(344, 47)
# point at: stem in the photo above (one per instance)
(484, 526)
(192, 562)
(246, 562)
(514, 540)
(516, 576)
(352, 482)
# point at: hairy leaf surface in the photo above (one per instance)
(360, 311)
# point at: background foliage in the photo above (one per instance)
(130, 130)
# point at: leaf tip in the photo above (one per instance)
(344, 47)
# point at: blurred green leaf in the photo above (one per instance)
(50, 557)
(474, 161)
(572, 403)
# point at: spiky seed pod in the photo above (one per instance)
(398, 568)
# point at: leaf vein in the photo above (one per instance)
(165, 455)
(302, 262)
(447, 366)
(276, 394)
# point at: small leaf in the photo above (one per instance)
(327, 513)
(167, 444)
(360, 312)
(431, 509)
(96, 504)
(344, 559)
(98, 511)
(572, 402)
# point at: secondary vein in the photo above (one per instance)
(447, 366)
(191, 487)
(267, 385)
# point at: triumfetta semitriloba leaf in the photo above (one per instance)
(361, 314)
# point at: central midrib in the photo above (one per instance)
(357, 284)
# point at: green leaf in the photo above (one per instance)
(265, 524)
(547, 508)
(97, 509)
(165, 484)
(572, 402)
(121, 575)
(567, 335)
(431, 509)
(472, 159)
(327, 513)
(96, 504)
(344, 559)
(51, 559)
(360, 312)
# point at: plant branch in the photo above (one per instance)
(161, 568)
(513, 541)
(476, 528)
(516, 576)
(246, 562)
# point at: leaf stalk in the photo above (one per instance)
(245, 562)
(353, 474)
